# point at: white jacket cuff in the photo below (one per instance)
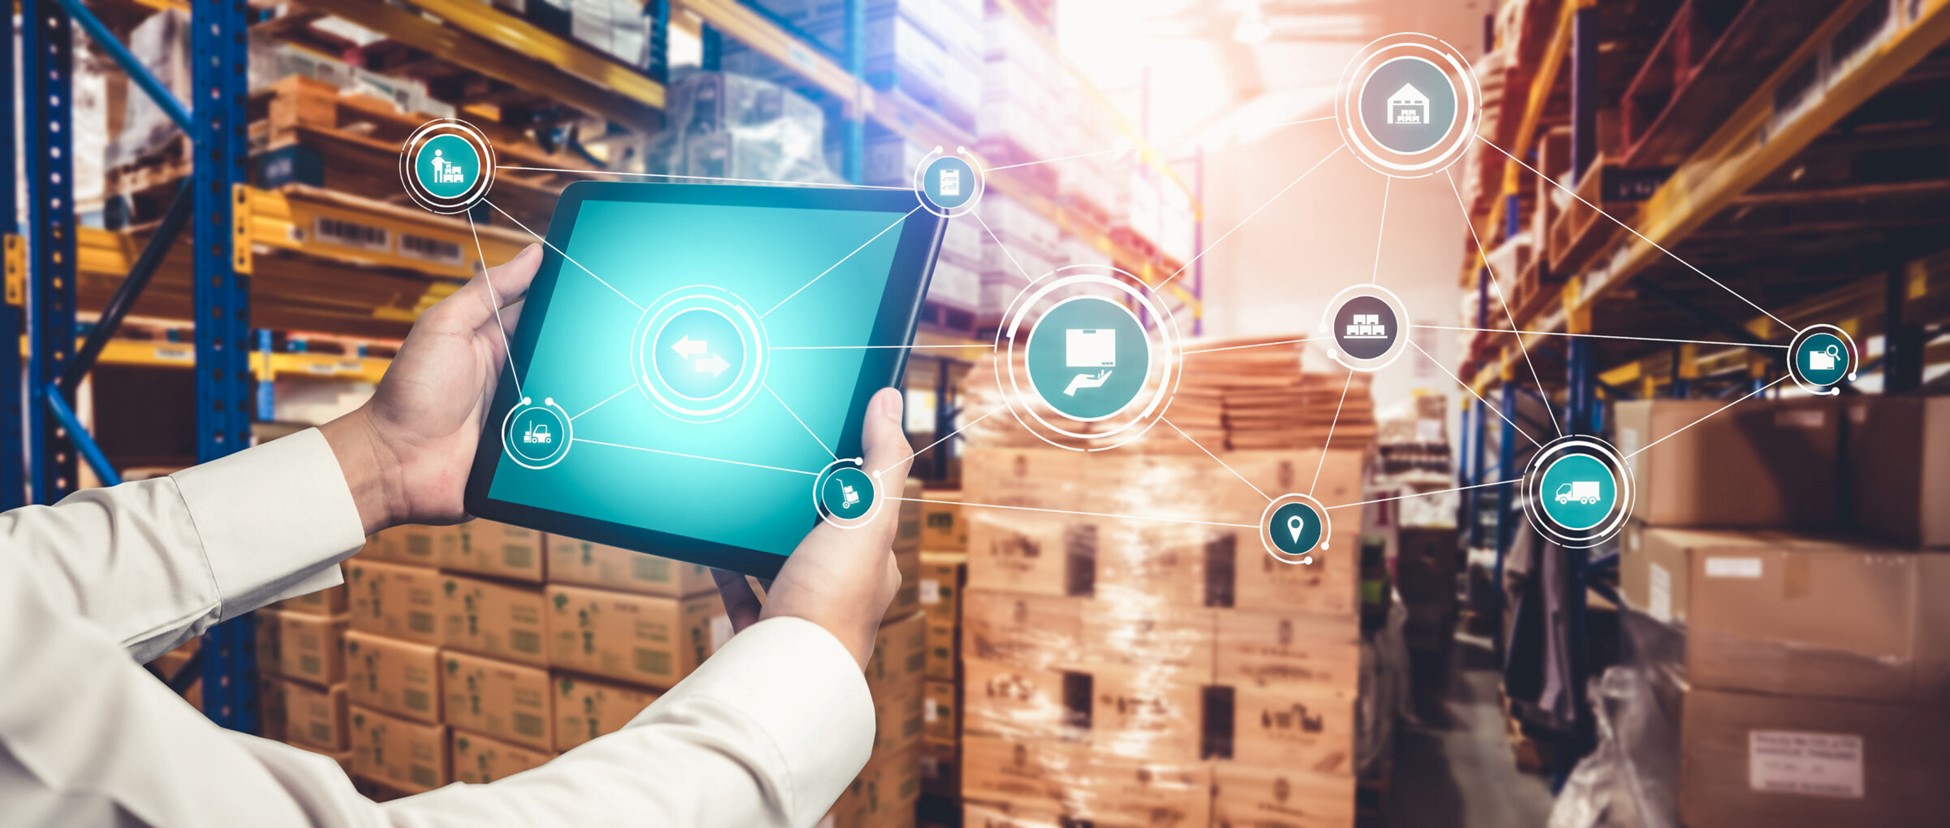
(275, 520)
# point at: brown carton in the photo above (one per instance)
(1260, 648)
(907, 556)
(497, 550)
(1654, 568)
(941, 712)
(510, 702)
(478, 760)
(586, 708)
(1159, 638)
(1018, 702)
(393, 676)
(1034, 775)
(1026, 551)
(331, 601)
(1795, 762)
(1144, 714)
(314, 717)
(635, 638)
(1899, 468)
(401, 754)
(273, 722)
(894, 674)
(310, 647)
(988, 815)
(1780, 613)
(1122, 791)
(882, 796)
(1298, 727)
(943, 648)
(412, 545)
(1687, 456)
(395, 601)
(941, 768)
(1021, 629)
(581, 563)
(943, 529)
(1246, 797)
(504, 621)
(943, 576)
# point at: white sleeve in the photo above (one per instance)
(157, 562)
(767, 732)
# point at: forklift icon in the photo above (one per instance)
(537, 434)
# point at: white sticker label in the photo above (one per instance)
(1805, 418)
(1628, 441)
(1732, 567)
(720, 631)
(1815, 764)
(1661, 599)
(929, 713)
(930, 591)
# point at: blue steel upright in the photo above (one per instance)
(13, 396)
(47, 46)
(225, 402)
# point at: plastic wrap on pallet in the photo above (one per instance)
(161, 44)
(728, 126)
(1632, 777)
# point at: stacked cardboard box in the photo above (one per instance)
(304, 695)
(1815, 662)
(943, 577)
(1161, 668)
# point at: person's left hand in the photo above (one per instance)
(407, 451)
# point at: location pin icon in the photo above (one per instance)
(1294, 525)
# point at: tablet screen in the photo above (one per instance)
(663, 431)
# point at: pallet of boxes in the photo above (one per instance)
(300, 655)
(1812, 663)
(944, 573)
(1164, 668)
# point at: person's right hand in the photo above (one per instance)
(841, 579)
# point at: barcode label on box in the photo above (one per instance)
(646, 568)
(419, 700)
(420, 622)
(310, 665)
(439, 251)
(525, 641)
(352, 234)
(528, 724)
(1723, 567)
(518, 557)
(321, 733)
(652, 661)
(1815, 764)
(424, 776)
(930, 591)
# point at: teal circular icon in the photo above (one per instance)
(1578, 491)
(447, 166)
(1823, 359)
(1408, 104)
(847, 493)
(699, 354)
(1295, 528)
(1088, 358)
(537, 435)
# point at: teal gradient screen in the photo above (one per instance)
(582, 356)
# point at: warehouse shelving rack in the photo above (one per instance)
(54, 262)
(1782, 116)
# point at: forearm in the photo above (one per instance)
(372, 472)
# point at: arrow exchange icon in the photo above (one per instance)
(689, 348)
(697, 353)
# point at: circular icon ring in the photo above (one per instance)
(435, 162)
(845, 486)
(1578, 491)
(699, 353)
(537, 436)
(1408, 105)
(1367, 326)
(949, 185)
(1295, 529)
(1821, 357)
(1128, 403)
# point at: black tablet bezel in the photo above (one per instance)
(895, 324)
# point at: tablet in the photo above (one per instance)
(692, 364)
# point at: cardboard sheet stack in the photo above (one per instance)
(1162, 668)
(469, 653)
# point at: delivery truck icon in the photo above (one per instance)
(1582, 491)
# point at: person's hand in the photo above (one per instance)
(407, 451)
(841, 579)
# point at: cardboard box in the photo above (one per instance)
(1140, 713)
(1117, 790)
(504, 621)
(1298, 727)
(987, 815)
(1780, 456)
(941, 712)
(311, 647)
(907, 597)
(1755, 759)
(894, 675)
(943, 528)
(1026, 551)
(1246, 796)
(1021, 702)
(1260, 648)
(1034, 775)
(882, 796)
(1654, 568)
(1021, 629)
(412, 545)
(581, 563)
(314, 717)
(1159, 638)
(635, 638)
(264, 633)
(332, 601)
(402, 754)
(395, 601)
(393, 676)
(940, 593)
(586, 708)
(1780, 613)
(941, 769)
(510, 702)
(943, 649)
(497, 550)
(478, 760)
(1899, 468)
(273, 721)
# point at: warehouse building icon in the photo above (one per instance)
(1408, 106)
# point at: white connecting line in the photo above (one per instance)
(1249, 345)
(1215, 458)
(603, 403)
(822, 274)
(802, 423)
(1472, 392)
(1002, 247)
(1607, 336)
(820, 184)
(558, 252)
(945, 438)
(1543, 395)
(1388, 183)
(989, 347)
(1330, 433)
(1132, 147)
(1249, 217)
(1073, 512)
(1749, 395)
(494, 298)
(1425, 494)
